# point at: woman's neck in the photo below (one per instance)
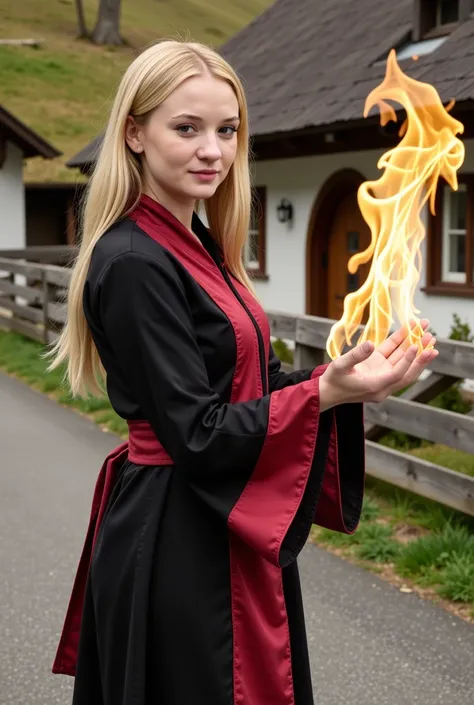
(182, 211)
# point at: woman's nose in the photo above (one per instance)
(209, 149)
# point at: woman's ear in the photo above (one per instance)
(133, 135)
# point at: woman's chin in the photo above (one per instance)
(203, 191)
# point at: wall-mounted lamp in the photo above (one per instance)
(285, 211)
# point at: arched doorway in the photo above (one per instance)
(337, 230)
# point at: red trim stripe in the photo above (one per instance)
(272, 496)
(262, 655)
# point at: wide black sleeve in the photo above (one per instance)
(277, 379)
(259, 464)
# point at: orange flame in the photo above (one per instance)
(392, 206)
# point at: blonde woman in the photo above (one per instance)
(187, 589)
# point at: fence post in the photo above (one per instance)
(11, 280)
(47, 290)
(306, 357)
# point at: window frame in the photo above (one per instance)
(428, 16)
(259, 199)
(438, 281)
(439, 9)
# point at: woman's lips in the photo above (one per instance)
(205, 175)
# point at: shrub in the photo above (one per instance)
(457, 579)
(376, 543)
(283, 351)
(381, 550)
(370, 509)
(451, 399)
(435, 550)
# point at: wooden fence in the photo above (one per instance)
(31, 296)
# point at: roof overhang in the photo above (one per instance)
(86, 158)
(31, 144)
(345, 136)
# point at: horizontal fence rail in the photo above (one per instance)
(408, 413)
(32, 303)
(45, 254)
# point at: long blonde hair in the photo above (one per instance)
(115, 186)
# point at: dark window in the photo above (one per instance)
(447, 12)
(255, 260)
(352, 282)
(353, 241)
(436, 18)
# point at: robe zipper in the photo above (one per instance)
(261, 347)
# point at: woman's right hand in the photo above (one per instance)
(369, 374)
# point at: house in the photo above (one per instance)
(17, 142)
(52, 213)
(308, 67)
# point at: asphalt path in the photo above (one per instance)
(369, 643)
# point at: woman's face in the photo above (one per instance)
(189, 142)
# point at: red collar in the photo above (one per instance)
(154, 214)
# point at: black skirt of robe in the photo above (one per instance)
(157, 623)
(159, 581)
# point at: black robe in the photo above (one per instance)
(188, 586)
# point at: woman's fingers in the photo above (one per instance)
(402, 366)
(349, 360)
(399, 337)
(393, 341)
(421, 362)
(413, 371)
(397, 355)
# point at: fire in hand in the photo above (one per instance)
(392, 206)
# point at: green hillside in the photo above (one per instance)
(63, 89)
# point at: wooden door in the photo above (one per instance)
(349, 234)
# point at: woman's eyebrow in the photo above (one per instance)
(187, 116)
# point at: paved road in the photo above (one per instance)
(369, 643)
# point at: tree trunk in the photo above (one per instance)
(81, 20)
(106, 30)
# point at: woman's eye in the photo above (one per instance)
(185, 129)
(230, 128)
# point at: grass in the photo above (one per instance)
(436, 550)
(404, 507)
(447, 457)
(23, 358)
(63, 90)
(445, 560)
(371, 542)
(457, 579)
(376, 543)
(420, 539)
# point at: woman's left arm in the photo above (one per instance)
(277, 379)
(342, 488)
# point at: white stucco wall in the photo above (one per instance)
(300, 180)
(12, 200)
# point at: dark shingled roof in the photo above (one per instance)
(87, 155)
(311, 63)
(307, 63)
(31, 144)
